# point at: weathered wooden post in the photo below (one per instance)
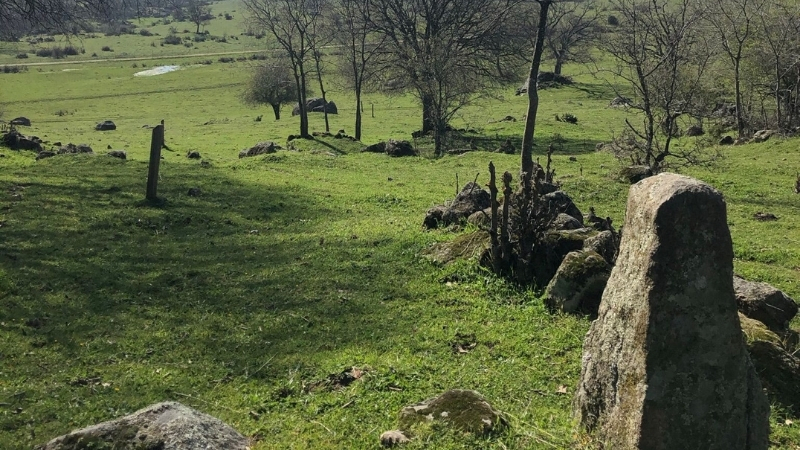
(155, 161)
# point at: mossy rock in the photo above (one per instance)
(465, 246)
(754, 330)
(579, 283)
(464, 410)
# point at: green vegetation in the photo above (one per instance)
(297, 265)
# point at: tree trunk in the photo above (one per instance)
(533, 92)
(428, 120)
(198, 28)
(317, 58)
(302, 95)
(559, 64)
(358, 113)
(276, 108)
(737, 87)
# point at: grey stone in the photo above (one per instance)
(380, 147)
(578, 283)
(262, 148)
(726, 140)
(399, 148)
(764, 303)
(21, 121)
(605, 243)
(45, 154)
(105, 126)
(163, 426)
(561, 202)
(779, 371)
(565, 222)
(471, 199)
(121, 154)
(464, 410)
(665, 366)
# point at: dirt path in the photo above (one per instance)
(138, 58)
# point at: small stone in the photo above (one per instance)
(393, 437)
(121, 154)
(194, 192)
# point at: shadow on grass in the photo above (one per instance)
(245, 271)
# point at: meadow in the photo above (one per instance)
(293, 267)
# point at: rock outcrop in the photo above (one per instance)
(664, 365)
(163, 426)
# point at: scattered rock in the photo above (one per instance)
(508, 119)
(635, 174)
(45, 154)
(618, 102)
(21, 122)
(471, 199)
(121, 154)
(399, 148)
(105, 126)
(695, 130)
(262, 148)
(464, 410)
(393, 437)
(316, 105)
(74, 149)
(565, 222)
(336, 381)
(193, 154)
(763, 135)
(726, 140)
(17, 141)
(664, 365)
(163, 426)
(764, 303)
(194, 192)
(764, 217)
(380, 147)
(578, 283)
(555, 246)
(779, 371)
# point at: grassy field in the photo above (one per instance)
(294, 266)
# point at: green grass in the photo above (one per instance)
(297, 265)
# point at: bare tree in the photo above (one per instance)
(19, 16)
(198, 12)
(660, 51)
(779, 57)
(445, 51)
(271, 84)
(572, 26)
(361, 48)
(533, 92)
(735, 22)
(291, 23)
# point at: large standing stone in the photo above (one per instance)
(664, 365)
(163, 426)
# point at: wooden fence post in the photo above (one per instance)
(155, 161)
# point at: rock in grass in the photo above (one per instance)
(45, 154)
(262, 148)
(779, 371)
(121, 154)
(106, 125)
(578, 284)
(393, 437)
(764, 303)
(664, 365)
(163, 426)
(464, 410)
(475, 244)
(193, 154)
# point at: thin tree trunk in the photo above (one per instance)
(358, 113)
(559, 65)
(303, 112)
(533, 92)
(276, 108)
(428, 121)
(737, 86)
(317, 58)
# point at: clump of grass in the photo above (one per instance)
(106, 48)
(22, 55)
(13, 69)
(145, 32)
(172, 39)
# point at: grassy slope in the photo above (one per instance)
(294, 266)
